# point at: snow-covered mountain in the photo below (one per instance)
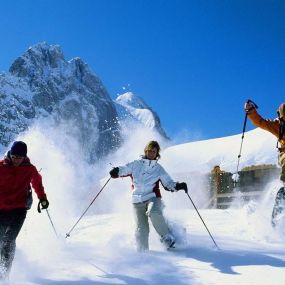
(42, 84)
(133, 109)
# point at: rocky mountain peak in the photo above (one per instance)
(34, 61)
(66, 92)
(42, 84)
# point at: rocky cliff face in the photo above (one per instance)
(41, 83)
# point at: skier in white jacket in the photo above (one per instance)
(146, 173)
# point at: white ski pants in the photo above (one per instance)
(149, 209)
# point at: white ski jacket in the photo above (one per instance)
(146, 175)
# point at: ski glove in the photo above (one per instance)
(114, 172)
(43, 204)
(181, 186)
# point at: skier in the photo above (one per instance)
(16, 175)
(146, 173)
(277, 128)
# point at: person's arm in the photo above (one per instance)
(37, 184)
(170, 185)
(122, 171)
(271, 126)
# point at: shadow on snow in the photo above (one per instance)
(225, 260)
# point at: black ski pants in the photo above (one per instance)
(11, 222)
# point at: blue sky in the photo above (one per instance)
(194, 62)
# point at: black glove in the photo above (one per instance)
(181, 186)
(114, 172)
(43, 204)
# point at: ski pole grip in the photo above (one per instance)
(250, 101)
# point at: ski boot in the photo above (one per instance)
(168, 240)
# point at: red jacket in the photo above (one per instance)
(15, 184)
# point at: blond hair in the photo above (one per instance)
(153, 144)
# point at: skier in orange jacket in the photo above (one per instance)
(277, 128)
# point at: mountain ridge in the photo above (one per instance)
(41, 83)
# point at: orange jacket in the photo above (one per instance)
(271, 126)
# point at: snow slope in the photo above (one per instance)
(101, 251)
(259, 147)
(101, 248)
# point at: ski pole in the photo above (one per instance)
(242, 137)
(49, 217)
(203, 221)
(51, 223)
(68, 234)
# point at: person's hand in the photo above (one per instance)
(43, 204)
(114, 172)
(181, 186)
(248, 106)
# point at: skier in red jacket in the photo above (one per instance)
(17, 175)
